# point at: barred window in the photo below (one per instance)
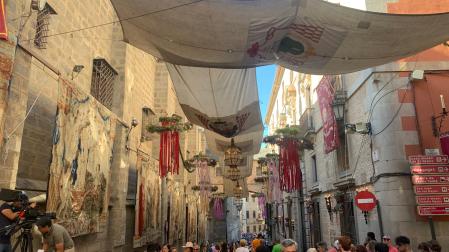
(102, 87)
(42, 23)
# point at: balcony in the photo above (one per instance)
(306, 123)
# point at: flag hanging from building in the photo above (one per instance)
(325, 94)
(309, 36)
(3, 27)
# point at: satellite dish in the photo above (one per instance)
(38, 5)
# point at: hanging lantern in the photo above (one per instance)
(233, 173)
(233, 155)
(238, 191)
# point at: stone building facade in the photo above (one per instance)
(78, 46)
(399, 110)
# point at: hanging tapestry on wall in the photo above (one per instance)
(148, 221)
(81, 161)
(177, 212)
(325, 94)
(192, 217)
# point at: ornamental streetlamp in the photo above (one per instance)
(238, 191)
(338, 105)
(233, 155)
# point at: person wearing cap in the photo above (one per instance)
(55, 237)
(387, 240)
(188, 247)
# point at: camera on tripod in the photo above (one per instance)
(26, 212)
(24, 224)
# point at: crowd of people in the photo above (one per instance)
(342, 244)
(401, 244)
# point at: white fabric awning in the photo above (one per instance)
(223, 101)
(310, 36)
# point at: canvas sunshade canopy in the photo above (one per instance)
(224, 102)
(309, 36)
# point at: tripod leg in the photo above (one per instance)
(16, 244)
(30, 242)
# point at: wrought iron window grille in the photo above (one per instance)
(102, 86)
(42, 26)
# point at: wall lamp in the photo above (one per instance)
(77, 69)
(329, 207)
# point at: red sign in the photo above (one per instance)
(433, 210)
(441, 159)
(433, 179)
(365, 201)
(430, 169)
(433, 200)
(3, 29)
(325, 98)
(431, 189)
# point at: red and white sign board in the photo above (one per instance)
(432, 200)
(430, 169)
(433, 210)
(432, 179)
(440, 159)
(365, 201)
(431, 189)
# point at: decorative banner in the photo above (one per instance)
(83, 141)
(218, 210)
(430, 169)
(168, 151)
(325, 94)
(289, 165)
(444, 142)
(310, 36)
(274, 194)
(3, 26)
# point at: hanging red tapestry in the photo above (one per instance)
(289, 166)
(169, 143)
(169, 151)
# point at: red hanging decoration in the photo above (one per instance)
(141, 210)
(289, 165)
(169, 150)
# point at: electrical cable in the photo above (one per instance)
(120, 20)
(394, 116)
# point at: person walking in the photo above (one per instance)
(345, 244)
(242, 247)
(335, 247)
(277, 246)
(403, 244)
(188, 247)
(381, 247)
(360, 248)
(55, 237)
(387, 240)
(321, 247)
(289, 245)
(262, 247)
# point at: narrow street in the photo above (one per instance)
(224, 125)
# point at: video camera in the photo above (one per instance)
(27, 214)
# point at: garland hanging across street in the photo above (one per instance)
(169, 142)
(193, 164)
(290, 143)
